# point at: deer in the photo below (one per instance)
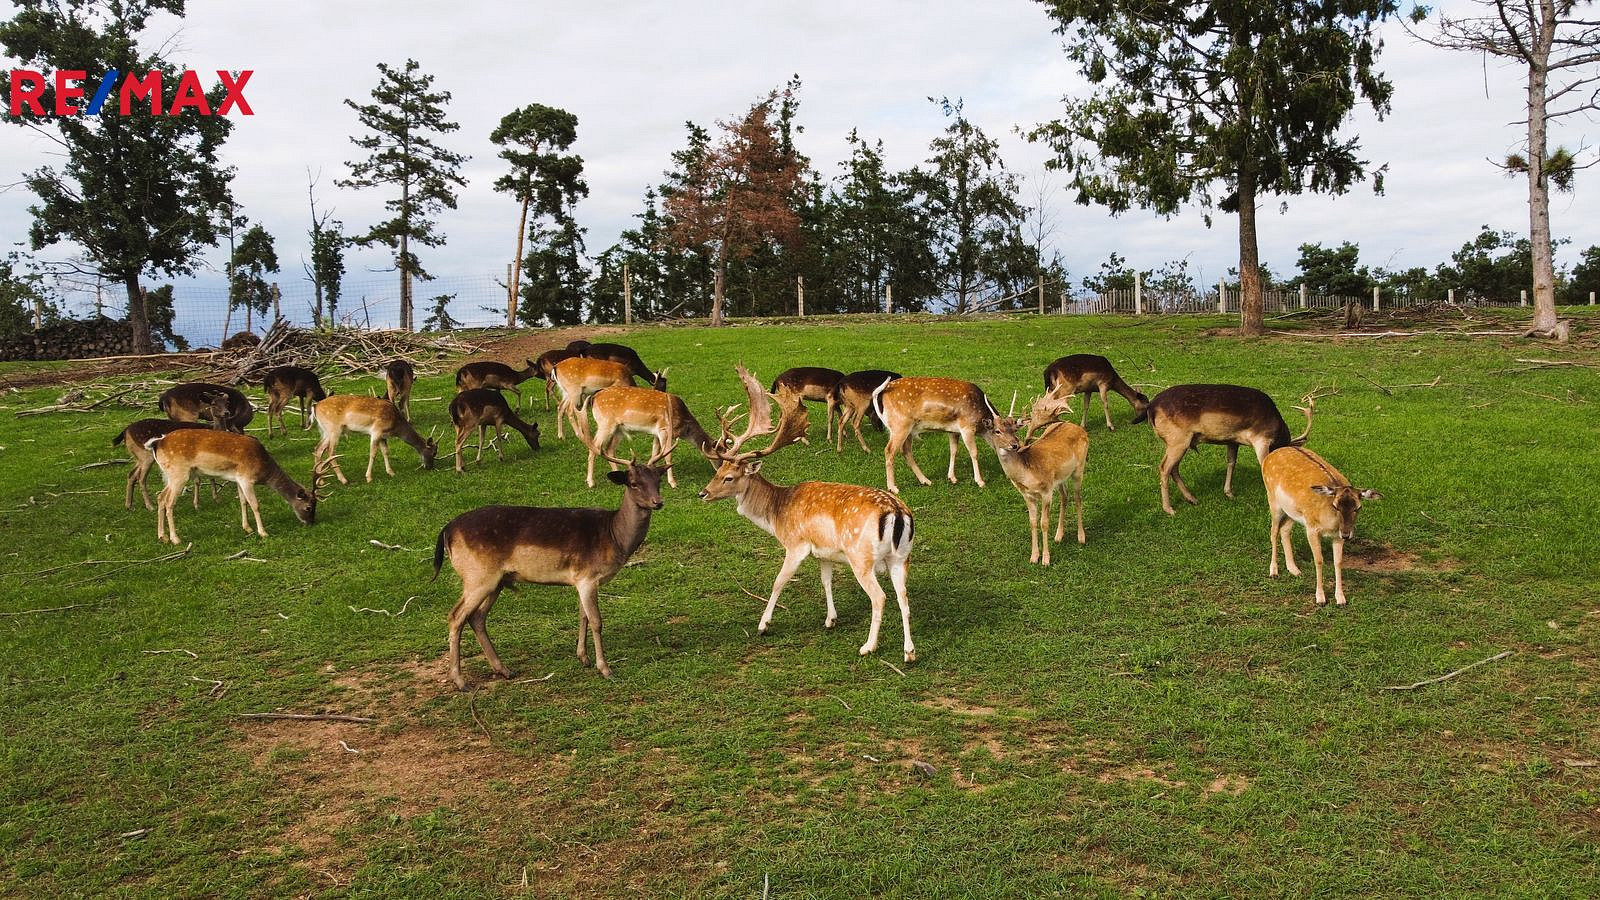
(910, 406)
(852, 397)
(665, 417)
(372, 416)
(133, 439)
(1188, 415)
(546, 367)
(619, 353)
(484, 408)
(1041, 469)
(398, 377)
(495, 546)
(495, 375)
(1086, 373)
(198, 401)
(866, 528)
(813, 383)
(579, 378)
(239, 458)
(291, 382)
(1302, 487)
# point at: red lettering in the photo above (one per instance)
(136, 88)
(189, 94)
(65, 91)
(27, 87)
(235, 89)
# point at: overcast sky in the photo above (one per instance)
(634, 72)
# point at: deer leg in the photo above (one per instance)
(1315, 537)
(951, 474)
(658, 444)
(970, 438)
(911, 458)
(1169, 473)
(827, 592)
(1104, 407)
(1338, 570)
(1077, 502)
(136, 474)
(583, 632)
(889, 451)
(588, 595)
(869, 583)
(305, 415)
(461, 441)
(479, 457)
(247, 493)
(1033, 528)
(166, 501)
(1083, 418)
(1045, 503)
(792, 558)
(1233, 459)
(499, 436)
(383, 446)
(897, 577)
(549, 386)
(1274, 520)
(478, 618)
(1285, 533)
(861, 414)
(330, 441)
(372, 456)
(518, 391)
(244, 510)
(829, 436)
(472, 595)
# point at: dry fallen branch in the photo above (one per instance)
(893, 666)
(191, 654)
(392, 615)
(378, 543)
(96, 465)
(1448, 675)
(24, 612)
(309, 717)
(472, 704)
(217, 687)
(109, 572)
(758, 598)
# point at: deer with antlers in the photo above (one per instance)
(286, 383)
(198, 401)
(482, 409)
(910, 406)
(232, 457)
(495, 546)
(398, 377)
(1087, 373)
(580, 378)
(1188, 415)
(374, 417)
(1041, 469)
(1302, 487)
(866, 528)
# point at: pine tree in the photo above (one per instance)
(254, 258)
(546, 182)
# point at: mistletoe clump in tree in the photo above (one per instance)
(404, 118)
(1217, 103)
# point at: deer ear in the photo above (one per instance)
(618, 477)
(1370, 494)
(1326, 490)
(753, 468)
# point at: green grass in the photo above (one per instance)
(1151, 713)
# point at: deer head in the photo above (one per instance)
(642, 480)
(736, 469)
(1346, 501)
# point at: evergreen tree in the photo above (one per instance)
(163, 313)
(254, 258)
(22, 293)
(556, 274)
(877, 235)
(1333, 270)
(326, 268)
(547, 183)
(440, 319)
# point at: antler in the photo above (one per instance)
(671, 440)
(320, 474)
(1310, 408)
(758, 419)
(792, 426)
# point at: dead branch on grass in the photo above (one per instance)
(1448, 675)
(309, 717)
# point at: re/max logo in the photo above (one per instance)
(28, 89)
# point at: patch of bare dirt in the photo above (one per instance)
(1387, 559)
(1137, 773)
(512, 349)
(92, 370)
(960, 707)
(1232, 785)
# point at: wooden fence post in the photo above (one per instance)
(1063, 303)
(800, 294)
(1377, 303)
(277, 298)
(1450, 297)
(1304, 299)
(511, 297)
(1138, 293)
(627, 295)
(1041, 293)
(888, 298)
(1222, 296)
(1523, 300)
(1591, 298)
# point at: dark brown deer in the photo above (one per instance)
(493, 547)
(287, 383)
(853, 399)
(198, 401)
(133, 439)
(625, 355)
(398, 377)
(484, 408)
(495, 375)
(1188, 415)
(813, 383)
(1087, 373)
(239, 458)
(373, 416)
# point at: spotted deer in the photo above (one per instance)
(482, 409)
(198, 401)
(1189, 415)
(1087, 373)
(852, 397)
(398, 377)
(493, 547)
(1302, 487)
(815, 384)
(910, 406)
(491, 374)
(373, 416)
(1041, 468)
(545, 367)
(239, 458)
(579, 378)
(287, 383)
(133, 439)
(665, 417)
(866, 528)
(627, 356)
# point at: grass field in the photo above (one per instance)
(1150, 714)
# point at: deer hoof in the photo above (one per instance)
(1340, 601)
(604, 670)
(911, 656)
(829, 622)
(1322, 601)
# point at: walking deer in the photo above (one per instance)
(372, 416)
(398, 377)
(495, 375)
(580, 378)
(484, 408)
(866, 528)
(133, 439)
(910, 406)
(813, 383)
(291, 382)
(1302, 487)
(1041, 469)
(1087, 373)
(239, 458)
(625, 355)
(852, 397)
(198, 401)
(665, 417)
(546, 368)
(493, 547)
(1189, 415)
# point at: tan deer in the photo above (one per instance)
(1302, 487)
(398, 377)
(866, 528)
(374, 417)
(286, 383)
(482, 409)
(623, 410)
(133, 439)
(545, 368)
(1087, 373)
(579, 378)
(1189, 415)
(910, 406)
(1042, 468)
(493, 547)
(239, 458)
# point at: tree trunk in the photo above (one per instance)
(1544, 290)
(1250, 316)
(137, 320)
(405, 259)
(716, 291)
(516, 270)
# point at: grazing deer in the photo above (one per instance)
(910, 406)
(1188, 415)
(483, 408)
(813, 383)
(398, 377)
(1302, 487)
(372, 416)
(625, 355)
(495, 375)
(133, 439)
(239, 458)
(853, 399)
(579, 378)
(495, 546)
(546, 368)
(866, 528)
(197, 401)
(665, 417)
(291, 382)
(1042, 468)
(1086, 373)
